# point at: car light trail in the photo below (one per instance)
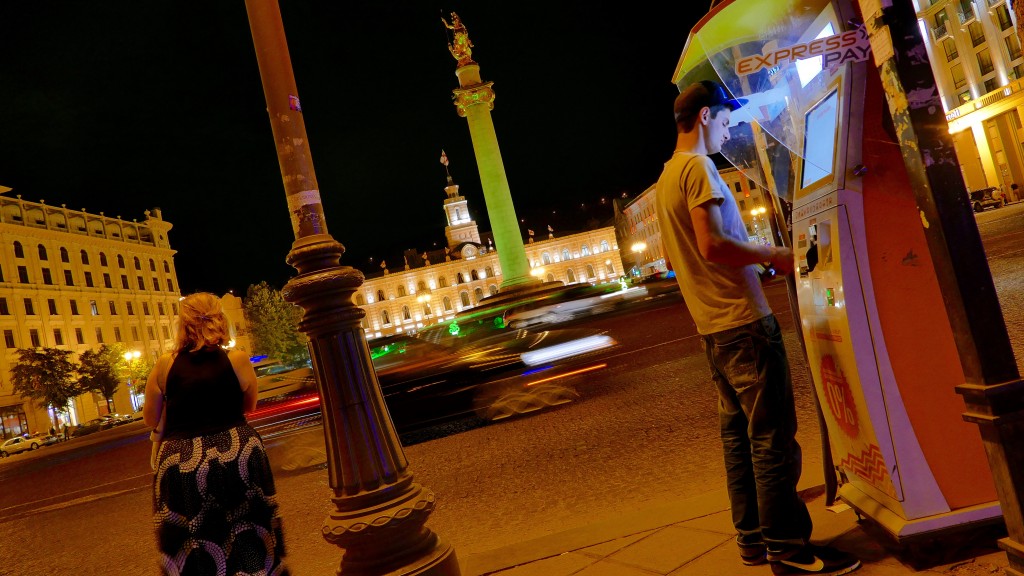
(567, 374)
(567, 349)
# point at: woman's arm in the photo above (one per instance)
(246, 379)
(154, 405)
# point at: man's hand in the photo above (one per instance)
(782, 260)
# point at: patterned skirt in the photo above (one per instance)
(215, 507)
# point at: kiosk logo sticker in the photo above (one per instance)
(849, 46)
(839, 396)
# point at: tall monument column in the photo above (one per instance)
(474, 100)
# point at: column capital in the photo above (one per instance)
(474, 95)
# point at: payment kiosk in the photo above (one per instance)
(816, 132)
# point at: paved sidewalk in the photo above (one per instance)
(695, 538)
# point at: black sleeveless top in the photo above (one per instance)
(203, 395)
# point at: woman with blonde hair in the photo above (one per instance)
(214, 501)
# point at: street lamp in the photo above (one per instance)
(638, 259)
(757, 218)
(130, 356)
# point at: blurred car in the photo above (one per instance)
(276, 379)
(18, 444)
(660, 283)
(986, 198)
(113, 419)
(94, 425)
(572, 302)
(470, 368)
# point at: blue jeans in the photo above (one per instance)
(758, 423)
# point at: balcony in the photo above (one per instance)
(940, 32)
(967, 14)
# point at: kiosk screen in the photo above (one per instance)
(820, 124)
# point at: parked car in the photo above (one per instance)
(114, 419)
(986, 198)
(94, 425)
(45, 439)
(18, 444)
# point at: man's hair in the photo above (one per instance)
(696, 97)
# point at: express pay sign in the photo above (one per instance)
(850, 46)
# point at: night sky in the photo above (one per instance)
(120, 106)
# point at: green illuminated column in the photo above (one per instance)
(474, 100)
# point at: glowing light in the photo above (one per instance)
(566, 349)
(567, 374)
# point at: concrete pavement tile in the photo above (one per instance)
(611, 568)
(723, 560)
(830, 525)
(561, 565)
(877, 560)
(719, 522)
(669, 548)
(609, 548)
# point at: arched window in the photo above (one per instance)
(462, 279)
(609, 268)
(570, 275)
(474, 275)
(604, 246)
(360, 300)
(401, 290)
(565, 254)
(464, 297)
(551, 277)
(167, 267)
(585, 250)
(490, 272)
(103, 259)
(152, 265)
(492, 289)
(590, 271)
(442, 282)
(19, 252)
(384, 318)
(64, 255)
(120, 261)
(545, 258)
(138, 266)
(380, 296)
(447, 304)
(405, 313)
(42, 252)
(479, 294)
(421, 286)
(426, 309)
(85, 257)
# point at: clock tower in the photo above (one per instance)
(461, 228)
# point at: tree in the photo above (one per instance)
(46, 375)
(274, 325)
(98, 372)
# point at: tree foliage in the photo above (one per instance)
(98, 372)
(273, 325)
(46, 375)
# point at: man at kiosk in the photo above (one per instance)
(718, 273)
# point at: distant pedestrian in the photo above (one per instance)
(214, 500)
(717, 270)
(53, 431)
(66, 430)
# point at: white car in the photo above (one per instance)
(573, 302)
(18, 444)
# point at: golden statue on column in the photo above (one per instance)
(460, 46)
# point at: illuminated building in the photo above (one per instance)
(73, 280)
(434, 286)
(639, 234)
(978, 65)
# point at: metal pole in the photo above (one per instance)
(993, 391)
(379, 512)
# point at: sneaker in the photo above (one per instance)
(752, 554)
(812, 559)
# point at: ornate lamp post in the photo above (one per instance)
(379, 512)
(638, 256)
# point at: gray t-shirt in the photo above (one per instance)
(718, 296)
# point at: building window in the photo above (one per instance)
(52, 305)
(92, 307)
(170, 285)
(479, 294)
(985, 62)
(79, 337)
(99, 335)
(149, 330)
(447, 304)
(977, 33)
(464, 298)
(131, 309)
(1012, 47)
(951, 52)
(137, 265)
(545, 258)
(1003, 16)
(58, 338)
(991, 85)
(113, 308)
(152, 265)
(474, 275)
(167, 334)
(103, 259)
(9, 338)
(156, 285)
(30, 309)
(19, 251)
(421, 286)
(106, 280)
(585, 250)
(380, 296)
(47, 278)
(135, 333)
(69, 280)
(23, 274)
(442, 282)
(142, 284)
(145, 308)
(406, 315)
(609, 268)
(461, 279)
(605, 246)
(401, 291)
(490, 272)
(124, 282)
(964, 97)
(85, 258)
(4, 310)
(384, 318)
(167, 267)
(550, 277)
(174, 308)
(565, 254)
(120, 261)
(160, 308)
(360, 301)
(88, 279)
(117, 334)
(42, 252)
(74, 307)
(64, 255)
(590, 271)
(33, 336)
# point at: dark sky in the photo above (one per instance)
(119, 106)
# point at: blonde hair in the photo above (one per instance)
(201, 323)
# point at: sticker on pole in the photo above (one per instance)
(835, 50)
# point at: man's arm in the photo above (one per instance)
(716, 246)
